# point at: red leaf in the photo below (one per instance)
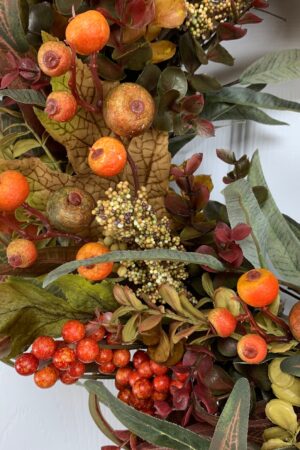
(181, 397)
(249, 17)
(200, 196)
(222, 233)
(176, 172)
(110, 447)
(193, 163)
(233, 255)
(228, 31)
(240, 231)
(206, 398)
(162, 408)
(193, 103)
(189, 359)
(204, 366)
(260, 4)
(206, 250)
(8, 79)
(177, 205)
(205, 128)
(135, 13)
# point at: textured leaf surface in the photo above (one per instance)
(148, 255)
(28, 96)
(225, 111)
(28, 311)
(232, 427)
(155, 431)
(11, 28)
(283, 246)
(274, 67)
(249, 97)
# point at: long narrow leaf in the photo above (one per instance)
(28, 96)
(127, 255)
(232, 428)
(155, 431)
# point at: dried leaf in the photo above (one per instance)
(169, 13)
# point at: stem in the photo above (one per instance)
(277, 320)
(44, 147)
(38, 214)
(73, 85)
(271, 14)
(97, 82)
(134, 171)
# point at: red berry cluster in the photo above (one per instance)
(144, 382)
(66, 359)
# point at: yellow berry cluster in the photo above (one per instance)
(131, 222)
(205, 16)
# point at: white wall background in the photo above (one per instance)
(58, 419)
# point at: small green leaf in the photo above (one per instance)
(274, 67)
(232, 427)
(204, 83)
(130, 330)
(225, 111)
(24, 146)
(172, 78)
(156, 431)
(188, 52)
(146, 255)
(64, 7)
(27, 96)
(149, 77)
(219, 54)
(249, 97)
(291, 365)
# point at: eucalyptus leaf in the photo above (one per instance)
(219, 54)
(155, 431)
(99, 419)
(27, 96)
(172, 78)
(249, 97)
(204, 83)
(149, 77)
(133, 255)
(225, 111)
(274, 67)
(232, 427)
(291, 365)
(295, 226)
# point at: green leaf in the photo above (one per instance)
(11, 26)
(282, 245)
(149, 77)
(64, 7)
(204, 83)
(219, 54)
(27, 96)
(99, 419)
(232, 427)
(291, 365)
(188, 52)
(225, 111)
(146, 255)
(172, 78)
(295, 226)
(27, 311)
(24, 146)
(156, 431)
(242, 207)
(274, 67)
(249, 97)
(176, 143)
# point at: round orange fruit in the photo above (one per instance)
(61, 106)
(54, 58)
(252, 349)
(107, 157)
(258, 287)
(21, 253)
(95, 272)
(88, 32)
(14, 189)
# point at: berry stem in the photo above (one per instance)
(134, 171)
(277, 320)
(97, 82)
(36, 213)
(73, 85)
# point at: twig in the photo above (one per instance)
(271, 14)
(134, 171)
(97, 82)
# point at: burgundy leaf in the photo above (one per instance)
(200, 196)
(240, 231)
(193, 163)
(110, 447)
(8, 78)
(204, 429)
(135, 13)
(206, 250)
(222, 233)
(183, 184)
(176, 172)
(189, 358)
(205, 365)
(249, 17)
(180, 397)
(162, 409)
(123, 435)
(206, 398)
(200, 349)
(228, 31)
(205, 128)
(29, 69)
(180, 368)
(146, 446)
(233, 255)
(187, 415)
(193, 103)
(177, 205)
(260, 4)
(218, 381)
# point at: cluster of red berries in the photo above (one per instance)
(144, 382)
(67, 359)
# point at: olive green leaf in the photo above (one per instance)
(156, 431)
(28, 311)
(133, 255)
(291, 365)
(172, 78)
(28, 96)
(274, 67)
(99, 420)
(232, 427)
(12, 15)
(282, 413)
(64, 7)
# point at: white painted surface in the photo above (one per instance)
(58, 419)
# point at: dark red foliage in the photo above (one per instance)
(228, 32)
(260, 4)
(26, 68)
(135, 13)
(249, 17)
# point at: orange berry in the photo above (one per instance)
(107, 157)
(21, 253)
(54, 58)
(14, 189)
(258, 287)
(294, 321)
(61, 106)
(252, 348)
(46, 377)
(94, 272)
(223, 321)
(88, 32)
(128, 109)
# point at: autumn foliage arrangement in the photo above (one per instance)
(115, 262)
